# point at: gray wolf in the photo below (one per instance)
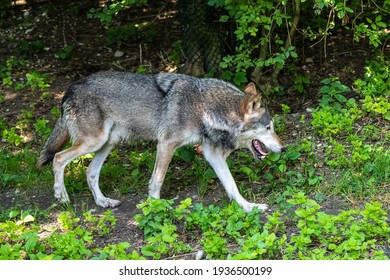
(174, 109)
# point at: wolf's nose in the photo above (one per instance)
(283, 149)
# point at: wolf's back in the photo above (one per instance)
(128, 99)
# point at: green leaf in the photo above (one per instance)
(282, 168)
(224, 18)
(13, 214)
(341, 98)
(28, 218)
(148, 250)
(240, 78)
(31, 242)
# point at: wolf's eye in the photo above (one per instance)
(268, 127)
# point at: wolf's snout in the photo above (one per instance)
(283, 149)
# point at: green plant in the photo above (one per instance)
(102, 225)
(160, 231)
(106, 14)
(117, 252)
(367, 178)
(327, 121)
(336, 114)
(142, 165)
(286, 109)
(6, 70)
(279, 161)
(18, 240)
(12, 137)
(342, 236)
(204, 174)
(121, 34)
(37, 80)
(332, 93)
(256, 23)
(65, 53)
(4, 6)
(30, 47)
(176, 52)
(301, 82)
(6, 179)
(41, 128)
(375, 88)
(373, 29)
(71, 240)
(222, 226)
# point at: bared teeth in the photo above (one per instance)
(258, 146)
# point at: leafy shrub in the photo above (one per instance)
(121, 34)
(65, 53)
(375, 88)
(336, 114)
(346, 235)
(20, 238)
(158, 223)
(226, 232)
(30, 47)
(113, 7)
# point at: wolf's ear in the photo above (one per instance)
(251, 107)
(250, 89)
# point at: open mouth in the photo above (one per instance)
(259, 148)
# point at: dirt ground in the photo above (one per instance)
(67, 24)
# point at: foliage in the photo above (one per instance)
(256, 23)
(375, 88)
(265, 30)
(366, 176)
(65, 53)
(374, 29)
(160, 231)
(226, 232)
(336, 114)
(350, 140)
(34, 80)
(336, 117)
(12, 137)
(21, 238)
(6, 179)
(4, 5)
(121, 34)
(37, 80)
(347, 235)
(30, 47)
(113, 7)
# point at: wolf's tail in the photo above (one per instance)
(56, 141)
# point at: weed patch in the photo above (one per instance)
(226, 233)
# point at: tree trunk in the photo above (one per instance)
(257, 75)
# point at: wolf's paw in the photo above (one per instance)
(248, 207)
(61, 196)
(108, 202)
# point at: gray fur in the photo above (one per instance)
(174, 109)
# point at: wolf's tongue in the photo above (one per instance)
(257, 145)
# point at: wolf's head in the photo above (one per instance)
(258, 130)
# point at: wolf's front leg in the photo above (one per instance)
(217, 159)
(165, 151)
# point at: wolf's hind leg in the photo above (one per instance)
(217, 160)
(61, 160)
(93, 173)
(165, 153)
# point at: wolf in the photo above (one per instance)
(175, 110)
